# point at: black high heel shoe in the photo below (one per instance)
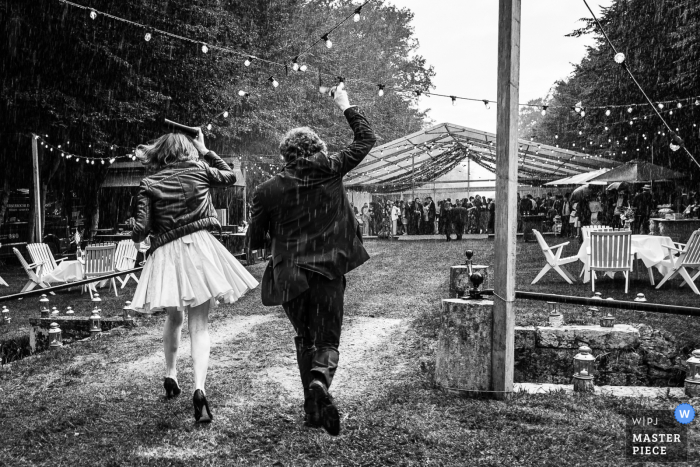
(171, 388)
(200, 403)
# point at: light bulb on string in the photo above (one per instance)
(619, 58)
(580, 132)
(209, 127)
(295, 63)
(356, 17)
(544, 110)
(225, 114)
(303, 68)
(679, 105)
(697, 101)
(248, 61)
(205, 49)
(111, 161)
(661, 106)
(325, 38)
(670, 112)
(147, 37)
(577, 107)
(487, 104)
(381, 90)
(607, 113)
(274, 82)
(606, 128)
(629, 110)
(243, 93)
(583, 113)
(93, 14)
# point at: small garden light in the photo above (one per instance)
(597, 296)
(5, 316)
(54, 312)
(55, 339)
(95, 322)
(125, 311)
(556, 320)
(69, 311)
(608, 320)
(692, 381)
(44, 306)
(583, 370)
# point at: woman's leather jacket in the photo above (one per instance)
(176, 201)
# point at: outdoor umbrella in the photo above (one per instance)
(581, 192)
(618, 186)
(635, 172)
(578, 179)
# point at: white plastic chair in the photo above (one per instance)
(41, 254)
(99, 261)
(554, 260)
(34, 272)
(125, 259)
(611, 252)
(688, 258)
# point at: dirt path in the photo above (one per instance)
(362, 344)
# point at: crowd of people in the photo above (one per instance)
(383, 218)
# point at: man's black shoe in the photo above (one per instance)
(313, 414)
(330, 418)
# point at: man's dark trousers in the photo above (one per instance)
(317, 317)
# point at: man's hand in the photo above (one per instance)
(340, 96)
(199, 143)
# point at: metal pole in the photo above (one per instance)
(413, 177)
(245, 202)
(469, 177)
(37, 191)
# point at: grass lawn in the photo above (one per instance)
(100, 402)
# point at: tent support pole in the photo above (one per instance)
(38, 237)
(413, 177)
(502, 348)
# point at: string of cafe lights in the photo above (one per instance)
(677, 141)
(67, 154)
(382, 88)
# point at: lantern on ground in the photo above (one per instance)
(692, 381)
(5, 316)
(593, 311)
(583, 370)
(95, 322)
(597, 296)
(69, 311)
(44, 306)
(556, 320)
(55, 339)
(54, 312)
(125, 311)
(608, 320)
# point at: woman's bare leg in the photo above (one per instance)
(171, 340)
(198, 320)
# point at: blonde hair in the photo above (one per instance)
(168, 149)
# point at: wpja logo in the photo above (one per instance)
(658, 435)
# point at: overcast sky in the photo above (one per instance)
(459, 38)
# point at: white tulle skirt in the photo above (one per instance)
(190, 271)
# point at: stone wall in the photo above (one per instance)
(626, 355)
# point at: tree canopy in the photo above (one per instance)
(661, 43)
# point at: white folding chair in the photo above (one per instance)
(586, 233)
(682, 260)
(99, 261)
(41, 254)
(554, 260)
(125, 259)
(34, 272)
(611, 252)
(2, 281)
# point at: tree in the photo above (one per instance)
(661, 42)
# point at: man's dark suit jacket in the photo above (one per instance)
(308, 217)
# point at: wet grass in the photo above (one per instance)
(88, 405)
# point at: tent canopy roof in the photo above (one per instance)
(428, 154)
(578, 179)
(637, 171)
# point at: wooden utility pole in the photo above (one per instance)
(502, 350)
(36, 191)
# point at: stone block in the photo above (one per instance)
(525, 337)
(621, 336)
(463, 355)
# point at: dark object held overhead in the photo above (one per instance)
(174, 127)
